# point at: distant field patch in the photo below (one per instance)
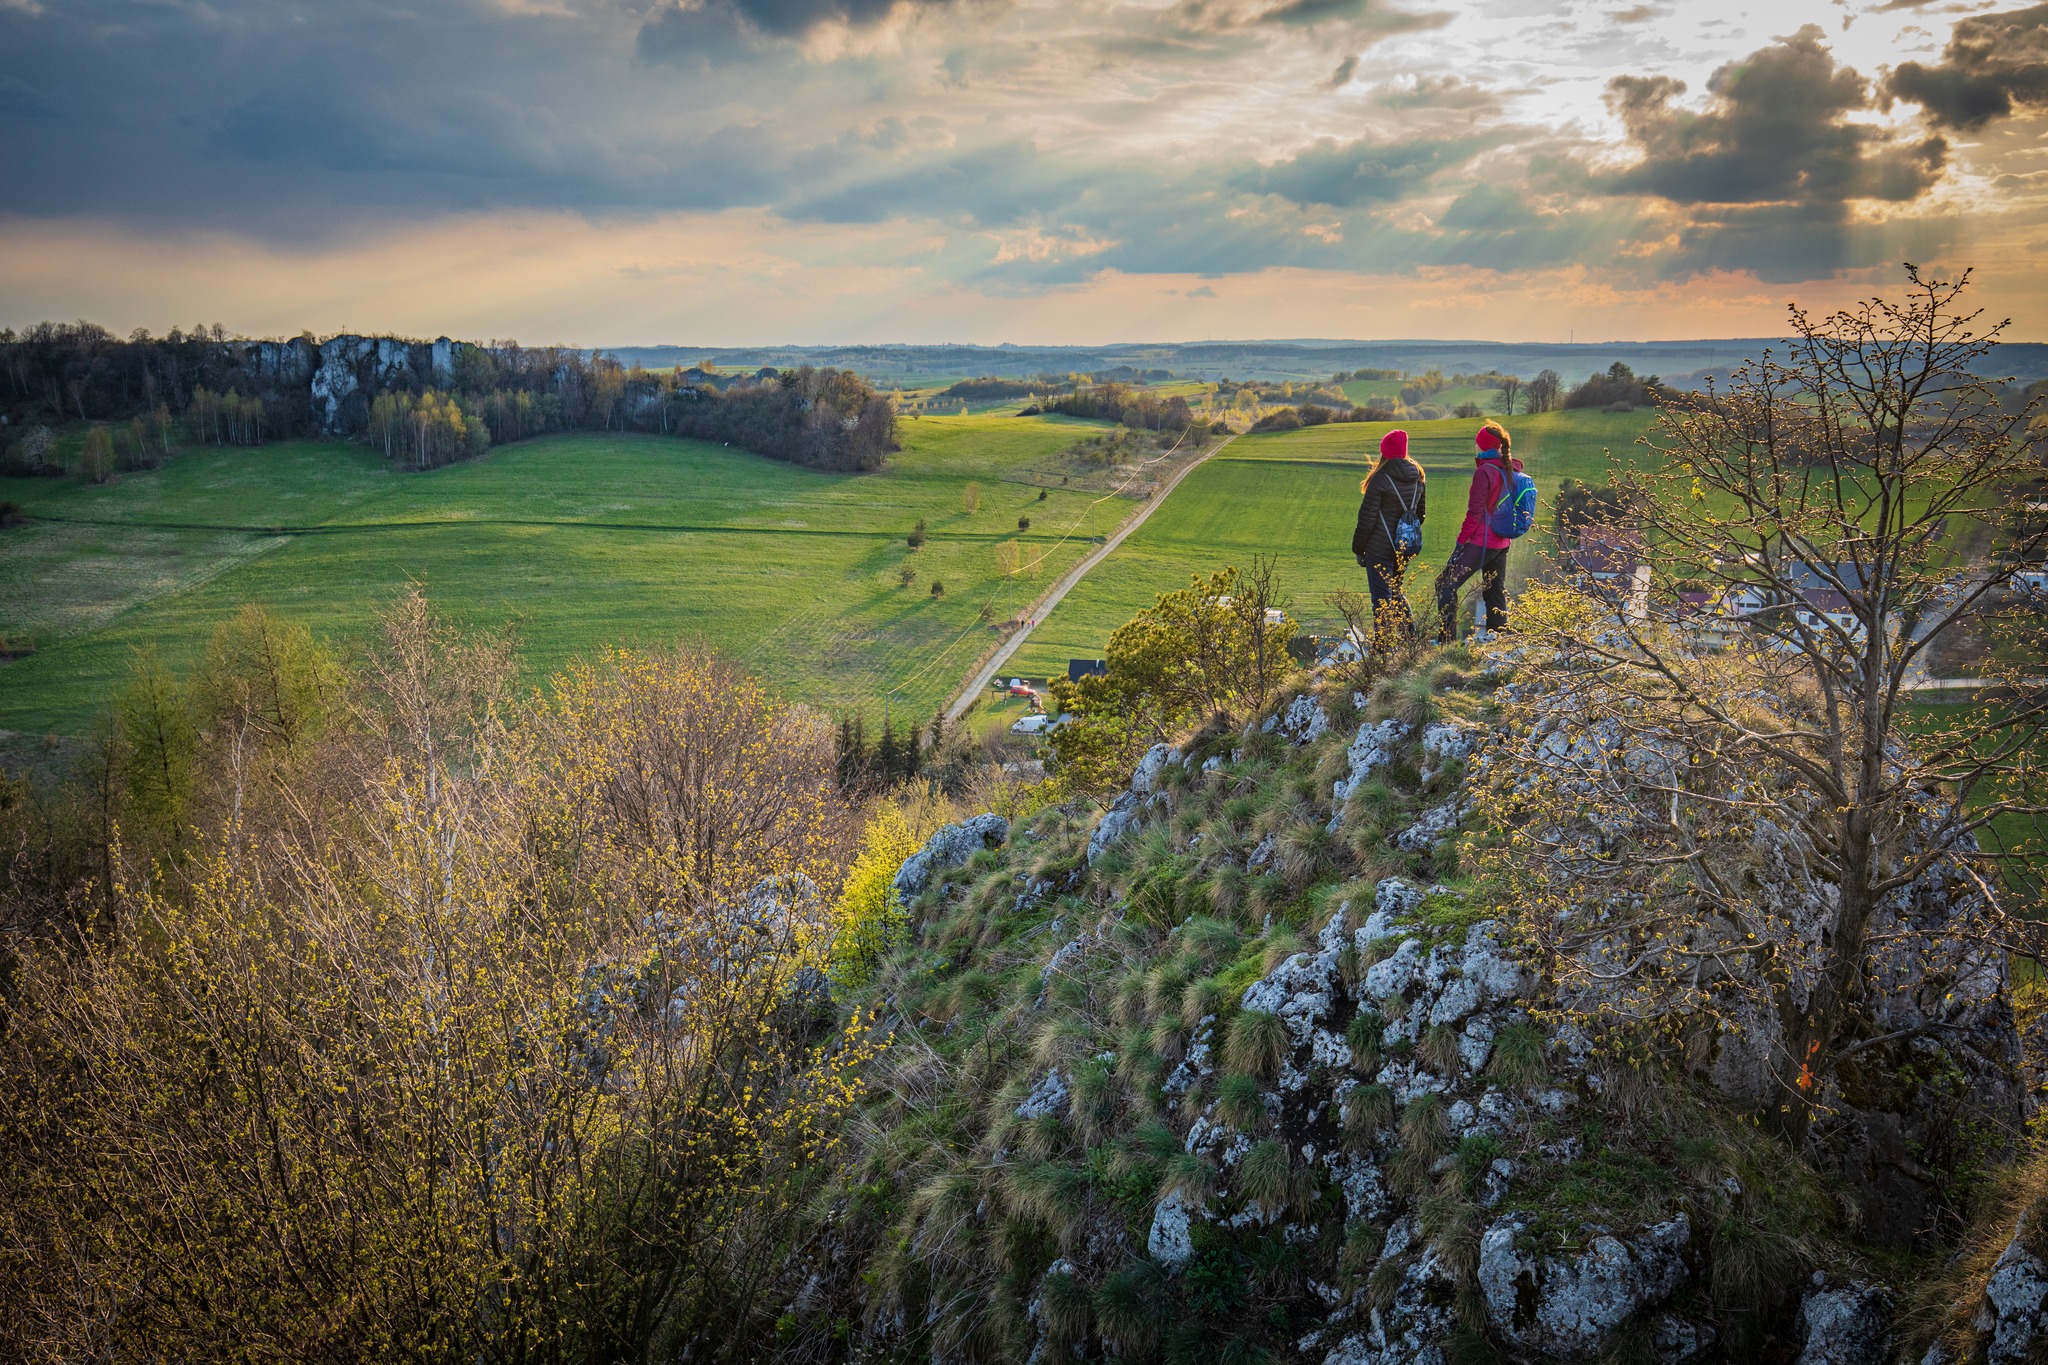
(576, 540)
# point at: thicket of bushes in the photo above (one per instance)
(357, 1010)
(1133, 407)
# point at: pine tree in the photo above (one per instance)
(889, 757)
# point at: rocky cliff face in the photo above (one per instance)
(346, 371)
(1182, 1089)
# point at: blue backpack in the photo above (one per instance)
(1515, 513)
(1406, 534)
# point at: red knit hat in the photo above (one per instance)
(1394, 445)
(1492, 436)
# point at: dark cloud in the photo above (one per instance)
(1775, 131)
(1341, 77)
(1789, 243)
(1360, 16)
(1348, 174)
(1311, 11)
(684, 27)
(1993, 62)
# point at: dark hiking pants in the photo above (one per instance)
(1466, 560)
(1390, 616)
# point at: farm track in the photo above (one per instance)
(1038, 610)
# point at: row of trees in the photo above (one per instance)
(227, 418)
(1132, 407)
(426, 432)
(863, 763)
(239, 391)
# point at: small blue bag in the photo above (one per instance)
(1407, 533)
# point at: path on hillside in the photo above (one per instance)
(1040, 609)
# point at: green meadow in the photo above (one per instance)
(1364, 391)
(574, 541)
(1294, 495)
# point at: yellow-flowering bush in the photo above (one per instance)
(870, 918)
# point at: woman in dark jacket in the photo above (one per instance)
(1394, 490)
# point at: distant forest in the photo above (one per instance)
(423, 403)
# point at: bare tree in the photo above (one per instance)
(1510, 390)
(1846, 507)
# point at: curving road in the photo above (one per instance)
(1043, 606)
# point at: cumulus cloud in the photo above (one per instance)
(997, 147)
(1993, 63)
(1776, 130)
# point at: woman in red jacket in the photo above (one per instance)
(1478, 549)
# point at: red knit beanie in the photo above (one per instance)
(1394, 445)
(1488, 438)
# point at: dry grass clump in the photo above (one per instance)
(1517, 1060)
(1258, 1043)
(1364, 1035)
(1240, 1102)
(1304, 851)
(1439, 1050)
(1426, 1126)
(1368, 1111)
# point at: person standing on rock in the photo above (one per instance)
(1479, 549)
(1394, 500)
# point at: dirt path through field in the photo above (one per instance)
(1043, 606)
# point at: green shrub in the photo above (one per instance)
(1439, 1050)
(1214, 1283)
(1065, 1309)
(1127, 1309)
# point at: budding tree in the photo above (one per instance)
(1813, 535)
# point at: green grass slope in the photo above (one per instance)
(1294, 495)
(579, 540)
(1095, 1137)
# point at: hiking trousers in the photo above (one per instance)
(1389, 603)
(1466, 560)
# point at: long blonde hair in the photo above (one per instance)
(1421, 474)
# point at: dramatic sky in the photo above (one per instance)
(752, 171)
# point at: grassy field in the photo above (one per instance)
(1364, 391)
(1294, 495)
(574, 540)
